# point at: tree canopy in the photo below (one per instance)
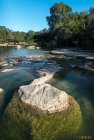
(9, 36)
(66, 28)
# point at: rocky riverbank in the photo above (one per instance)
(8, 63)
(74, 52)
(81, 59)
(10, 45)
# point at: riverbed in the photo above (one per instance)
(76, 80)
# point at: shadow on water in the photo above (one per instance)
(79, 84)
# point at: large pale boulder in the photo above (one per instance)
(1, 90)
(43, 96)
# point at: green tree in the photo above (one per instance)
(59, 15)
(29, 37)
(3, 34)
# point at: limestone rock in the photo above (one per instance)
(18, 47)
(43, 79)
(1, 90)
(7, 70)
(43, 96)
(31, 47)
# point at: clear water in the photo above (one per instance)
(77, 83)
(11, 81)
(11, 51)
(81, 86)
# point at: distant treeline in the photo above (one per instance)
(14, 37)
(66, 29)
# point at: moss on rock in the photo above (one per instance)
(1, 97)
(22, 123)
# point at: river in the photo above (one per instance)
(79, 83)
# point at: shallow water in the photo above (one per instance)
(81, 87)
(10, 82)
(78, 83)
(11, 51)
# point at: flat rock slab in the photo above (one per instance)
(7, 70)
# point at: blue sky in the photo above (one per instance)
(24, 15)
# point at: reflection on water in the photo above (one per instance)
(81, 87)
(12, 51)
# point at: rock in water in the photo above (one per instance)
(43, 96)
(7, 70)
(1, 90)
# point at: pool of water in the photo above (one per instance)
(77, 83)
(80, 85)
(11, 81)
(12, 51)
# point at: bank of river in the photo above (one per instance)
(72, 78)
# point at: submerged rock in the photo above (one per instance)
(1, 97)
(26, 123)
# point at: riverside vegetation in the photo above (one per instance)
(66, 29)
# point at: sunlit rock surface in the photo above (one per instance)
(26, 122)
(7, 70)
(43, 96)
(1, 90)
